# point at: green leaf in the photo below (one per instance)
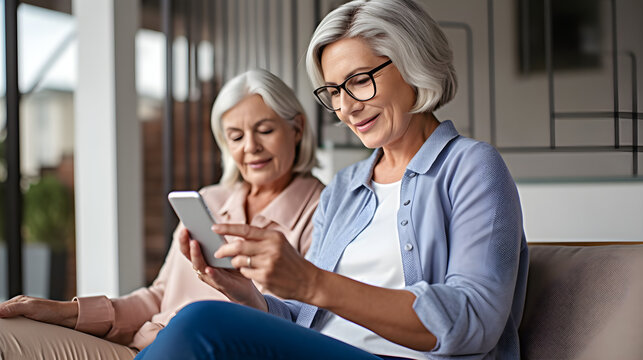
(48, 213)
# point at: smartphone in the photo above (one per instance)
(195, 215)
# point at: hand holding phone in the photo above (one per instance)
(195, 215)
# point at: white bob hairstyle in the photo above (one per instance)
(280, 98)
(400, 30)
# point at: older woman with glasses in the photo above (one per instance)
(418, 252)
(268, 152)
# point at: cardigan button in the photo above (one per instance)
(412, 175)
(404, 222)
(408, 247)
(407, 202)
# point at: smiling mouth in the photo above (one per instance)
(366, 124)
(258, 164)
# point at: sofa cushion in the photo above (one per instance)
(584, 302)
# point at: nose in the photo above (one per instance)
(348, 105)
(251, 145)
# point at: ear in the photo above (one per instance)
(298, 125)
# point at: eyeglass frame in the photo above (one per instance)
(343, 85)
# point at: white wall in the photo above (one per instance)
(599, 211)
(332, 160)
(581, 210)
(522, 100)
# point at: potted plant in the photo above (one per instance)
(48, 220)
(48, 225)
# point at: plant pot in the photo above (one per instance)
(44, 271)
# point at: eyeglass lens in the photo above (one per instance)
(359, 87)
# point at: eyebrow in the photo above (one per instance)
(230, 128)
(353, 72)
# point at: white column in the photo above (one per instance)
(107, 154)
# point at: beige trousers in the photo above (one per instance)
(22, 338)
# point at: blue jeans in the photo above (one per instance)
(222, 330)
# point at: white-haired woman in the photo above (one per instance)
(268, 152)
(418, 252)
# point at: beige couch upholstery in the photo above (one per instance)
(584, 302)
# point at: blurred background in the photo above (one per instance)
(105, 109)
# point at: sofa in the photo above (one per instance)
(584, 302)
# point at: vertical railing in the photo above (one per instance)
(245, 14)
(492, 72)
(14, 194)
(168, 119)
(226, 42)
(615, 75)
(212, 18)
(280, 35)
(266, 40)
(237, 39)
(635, 115)
(549, 66)
(257, 34)
(187, 143)
(198, 17)
(320, 112)
(295, 54)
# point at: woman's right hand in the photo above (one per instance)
(63, 313)
(231, 283)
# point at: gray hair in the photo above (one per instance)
(277, 96)
(400, 30)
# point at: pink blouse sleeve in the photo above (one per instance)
(118, 319)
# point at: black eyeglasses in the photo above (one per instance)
(360, 86)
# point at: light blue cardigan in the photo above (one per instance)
(462, 243)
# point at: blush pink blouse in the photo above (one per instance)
(135, 319)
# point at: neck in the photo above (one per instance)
(272, 189)
(399, 153)
(261, 195)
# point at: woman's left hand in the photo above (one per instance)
(268, 258)
(231, 283)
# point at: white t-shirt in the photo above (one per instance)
(373, 258)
